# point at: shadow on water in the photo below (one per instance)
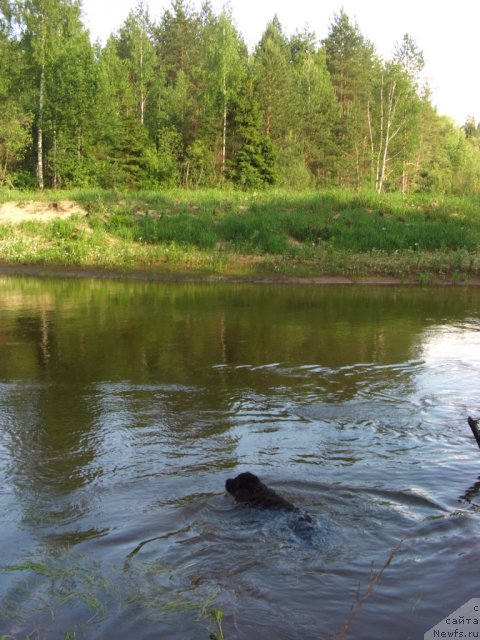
(471, 495)
(124, 406)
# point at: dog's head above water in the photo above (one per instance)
(249, 489)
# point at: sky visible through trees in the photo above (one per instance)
(182, 101)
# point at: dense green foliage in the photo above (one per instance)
(182, 102)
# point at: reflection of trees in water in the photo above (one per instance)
(177, 349)
(50, 455)
(36, 330)
(47, 432)
(170, 333)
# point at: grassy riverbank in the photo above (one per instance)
(232, 233)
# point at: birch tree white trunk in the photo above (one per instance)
(41, 107)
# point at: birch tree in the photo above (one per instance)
(39, 21)
(44, 27)
(136, 48)
(226, 69)
(69, 116)
(15, 122)
(396, 108)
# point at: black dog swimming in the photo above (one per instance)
(249, 490)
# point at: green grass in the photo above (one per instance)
(227, 232)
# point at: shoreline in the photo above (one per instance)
(66, 272)
(274, 237)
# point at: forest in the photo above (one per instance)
(182, 102)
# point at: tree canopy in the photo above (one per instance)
(182, 102)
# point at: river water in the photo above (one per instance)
(124, 406)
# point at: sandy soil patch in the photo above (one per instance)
(14, 212)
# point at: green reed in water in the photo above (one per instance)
(217, 615)
(157, 591)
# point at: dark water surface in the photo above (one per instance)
(125, 406)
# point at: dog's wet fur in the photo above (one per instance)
(248, 489)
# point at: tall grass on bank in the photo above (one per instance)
(334, 232)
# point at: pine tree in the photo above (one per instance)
(411, 59)
(318, 109)
(352, 64)
(177, 40)
(253, 163)
(274, 82)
